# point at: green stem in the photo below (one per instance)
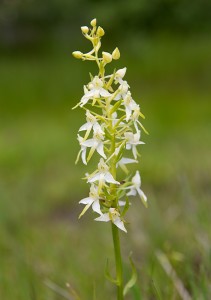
(118, 260)
(115, 230)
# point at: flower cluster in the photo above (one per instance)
(113, 130)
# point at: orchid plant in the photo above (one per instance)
(112, 130)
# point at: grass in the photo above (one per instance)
(41, 237)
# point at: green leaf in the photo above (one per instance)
(133, 278)
(108, 275)
(116, 106)
(109, 83)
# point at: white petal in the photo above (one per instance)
(94, 178)
(125, 160)
(104, 93)
(121, 72)
(96, 207)
(137, 179)
(118, 222)
(134, 151)
(103, 218)
(89, 143)
(100, 150)
(128, 113)
(97, 128)
(83, 156)
(87, 200)
(86, 126)
(109, 178)
(132, 192)
(142, 195)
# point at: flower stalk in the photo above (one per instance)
(112, 129)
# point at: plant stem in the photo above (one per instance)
(118, 260)
(115, 230)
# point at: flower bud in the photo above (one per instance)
(107, 57)
(85, 29)
(116, 53)
(100, 31)
(93, 22)
(77, 54)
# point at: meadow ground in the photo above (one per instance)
(42, 242)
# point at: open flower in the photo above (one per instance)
(136, 188)
(132, 141)
(124, 161)
(92, 200)
(103, 175)
(82, 152)
(129, 104)
(91, 123)
(114, 216)
(120, 74)
(95, 90)
(123, 89)
(96, 143)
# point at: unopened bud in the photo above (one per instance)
(93, 22)
(85, 29)
(107, 57)
(100, 31)
(116, 53)
(77, 54)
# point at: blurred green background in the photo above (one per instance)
(166, 46)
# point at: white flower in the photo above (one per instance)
(114, 216)
(124, 161)
(82, 151)
(123, 89)
(93, 200)
(96, 143)
(132, 141)
(135, 116)
(120, 74)
(96, 90)
(103, 175)
(129, 104)
(91, 123)
(136, 188)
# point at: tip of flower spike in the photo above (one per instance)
(93, 22)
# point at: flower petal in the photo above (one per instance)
(94, 178)
(96, 207)
(109, 178)
(103, 218)
(119, 223)
(100, 150)
(132, 192)
(86, 126)
(87, 200)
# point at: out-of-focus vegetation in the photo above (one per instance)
(35, 22)
(41, 239)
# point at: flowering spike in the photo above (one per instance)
(112, 128)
